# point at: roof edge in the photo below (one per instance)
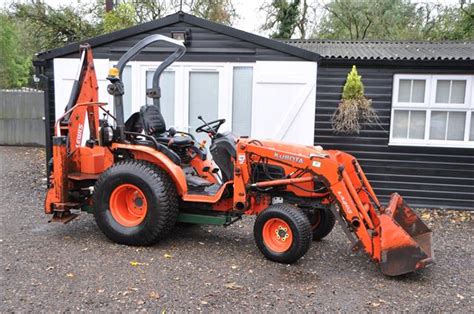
(257, 39)
(376, 41)
(106, 38)
(188, 18)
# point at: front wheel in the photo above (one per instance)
(282, 233)
(135, 203)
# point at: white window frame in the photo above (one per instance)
(429, 105)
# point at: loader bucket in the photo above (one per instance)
(405, 239)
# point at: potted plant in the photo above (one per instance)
(354, 108)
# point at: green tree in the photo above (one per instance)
(449, 23)
(353, 88)
(396, 20)
(51, 28)
(220, 11)
(149, 10)
(285, 18)
(15, 65)
(466, 21)
(366, 19)
(130, 13)
(122, 16)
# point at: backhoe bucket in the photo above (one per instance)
(405, 239)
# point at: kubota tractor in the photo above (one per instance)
(139, 178)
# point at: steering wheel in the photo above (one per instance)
(210, 127)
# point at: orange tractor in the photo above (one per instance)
(139, 179)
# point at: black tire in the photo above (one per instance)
(159, 192)
(299, 226)
(322, 222)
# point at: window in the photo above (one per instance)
(189, 89)
(167, 101)
(411, 91)
(242, 100)
(432, 110)
(203, 100)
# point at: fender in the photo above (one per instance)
(141, 152)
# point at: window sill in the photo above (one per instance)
(450, 144)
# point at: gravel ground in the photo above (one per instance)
(73, 267)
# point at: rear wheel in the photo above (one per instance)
(282, 233)
(135, 203)
(322, 222)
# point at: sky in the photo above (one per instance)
(250, 17)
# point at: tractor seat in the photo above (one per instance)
(152, 120)
(224, 153)
(154, 124)
(180, 141)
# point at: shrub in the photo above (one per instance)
(354, 107)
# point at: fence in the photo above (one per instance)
(22, 117)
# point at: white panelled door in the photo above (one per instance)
(284, 100)
(65, 72)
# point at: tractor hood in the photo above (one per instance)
(294, 152)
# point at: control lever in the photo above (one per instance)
(211, 128)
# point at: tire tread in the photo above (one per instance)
(163, 188)
(303, 228)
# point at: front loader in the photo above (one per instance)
(139, 179)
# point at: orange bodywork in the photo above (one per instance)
(147, 153)
(378, 231)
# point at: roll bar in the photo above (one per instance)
(115, 75)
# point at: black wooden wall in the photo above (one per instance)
(432, 177)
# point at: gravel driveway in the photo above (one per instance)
(54, 267)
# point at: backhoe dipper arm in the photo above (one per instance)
(115, 75)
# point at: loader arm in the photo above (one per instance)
(386, 234)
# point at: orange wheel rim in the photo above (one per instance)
(128, 205)
(277, 235)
